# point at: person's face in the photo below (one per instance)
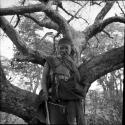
(64, 50)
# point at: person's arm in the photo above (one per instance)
(44, 77)
(44, 92)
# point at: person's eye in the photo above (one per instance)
(65, 48)
(61, 48)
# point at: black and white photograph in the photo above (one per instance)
(62, 62)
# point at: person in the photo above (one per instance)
(60, 82)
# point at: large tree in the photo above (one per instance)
(22, 103)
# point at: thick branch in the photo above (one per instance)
(98, 27)
(44, 23)
(104, 11)
(31, 55)
(101, 65)
(16, 101)
(22, 9)
(10, 31)
(53, 15)
(121, 8)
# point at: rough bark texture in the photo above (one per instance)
(101, 65)
(15, 100)
(29, 54)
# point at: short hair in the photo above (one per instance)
(65, 41)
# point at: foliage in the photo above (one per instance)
(102, 42)
(29, 71)
(106, 107)
(30, 32)
(6, 118)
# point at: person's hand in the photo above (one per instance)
(43, 95)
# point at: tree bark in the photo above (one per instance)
(28, 53)
(15, 100)
(101, 65)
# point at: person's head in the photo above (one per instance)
(64, 47)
